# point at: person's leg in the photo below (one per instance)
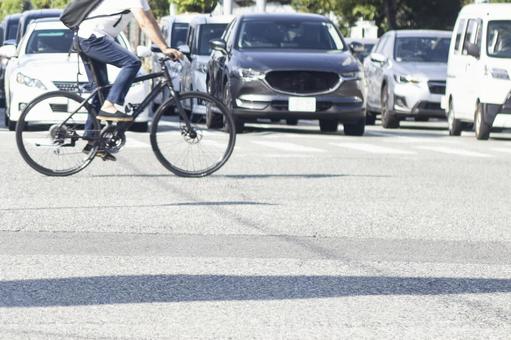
(108, 51)
(102, 78)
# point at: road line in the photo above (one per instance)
(454, 151)
(375, 149)
(504, 150)
(132, 143)
(285, 146)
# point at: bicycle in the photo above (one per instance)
(50, 131)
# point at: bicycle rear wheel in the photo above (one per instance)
(201, 150)
(49, 145)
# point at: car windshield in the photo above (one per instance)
(179, 33)
(12, 30)
(50, 41)
(422, 49)
(289, 34)
(207, 33)
(499, 39)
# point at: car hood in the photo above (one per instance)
(55, 67)
(432, 71)
(297, 60)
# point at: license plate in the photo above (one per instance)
(302, 104)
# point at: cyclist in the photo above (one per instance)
(96, 38)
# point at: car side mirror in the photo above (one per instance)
(357, 48)
(143, 52)
(185, 49)
(218, 45)
(378, 58)
(473, 50)
(8, 51)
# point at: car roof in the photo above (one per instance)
(286, 16)
(40, 13)
(422, 33)
(16, 16)
(497, 11)
(208, 19)
(362, 40)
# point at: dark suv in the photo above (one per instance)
(292, 66)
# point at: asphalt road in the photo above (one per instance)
(399, 234)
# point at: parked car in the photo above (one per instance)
(287, 66)
(479, 83)
(9, 29)
(203, 29)
(43, 63)
(406, 75)
(361, 48)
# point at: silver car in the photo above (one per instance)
(406, 76)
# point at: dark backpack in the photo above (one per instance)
(78, 10)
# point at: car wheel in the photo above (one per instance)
(140, 127)
(214, 120)
(482, 129)
(455, 125)
(357, 129)
(370, 119)
(239, 124)
(388, 120)
(328, 125)
(292, 121)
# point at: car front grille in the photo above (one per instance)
(430, 106)
(437, 86)
(302, 82)
(59, 107)
(69, 86)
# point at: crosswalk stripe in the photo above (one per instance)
(375, 149)
(454, 151)
(504, 150)
(291, 147)
(132, 143)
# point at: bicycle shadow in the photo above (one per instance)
(105, 290)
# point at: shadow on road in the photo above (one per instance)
(105, 290)
(250, 176)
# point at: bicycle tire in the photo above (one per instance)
(229, 129)
(23, 126)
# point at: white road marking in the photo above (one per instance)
(504, 150)
(375, 149)
(291, 147)
(132, 143)
(454, 151)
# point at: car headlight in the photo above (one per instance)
(202, 68)
(249, 74)
(30, 82)
(407, 79)
(498, 73)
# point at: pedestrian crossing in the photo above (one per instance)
(290, 147)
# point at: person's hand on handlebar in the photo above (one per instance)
(173, 54)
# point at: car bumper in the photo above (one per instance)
(416, 100)
(255, 99)
(499, 115)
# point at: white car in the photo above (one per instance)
(42, 63)
(479, 71)
(203, 29)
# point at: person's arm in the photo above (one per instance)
(148, 24)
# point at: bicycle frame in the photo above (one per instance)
(160, 86)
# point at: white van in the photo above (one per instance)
(478, 89)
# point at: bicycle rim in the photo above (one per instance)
(201, 151)
(50, 146)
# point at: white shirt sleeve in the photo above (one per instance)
(138, 4)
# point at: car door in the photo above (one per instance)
(379, 70)
(373, 64)
(218, 60)
(456, 67)
(464, 103)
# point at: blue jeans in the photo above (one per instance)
(105, 51)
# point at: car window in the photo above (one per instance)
(289, 34)
(388, 48)
(207, 33)
(422, 49)
(229, 34)
(12, 30)
(190, 41)
(381, 44)
(179, 34)
(499, 39)
(459, 35)
(471, 34)
(50, 41)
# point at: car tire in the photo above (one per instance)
(140, 127)
(328, 125)
(370, 118)
(455, 125)
(357, 129)
(292, 121)
(388, 120)
(9, 123)
(214, 120)
(239, 124)
(482, 129)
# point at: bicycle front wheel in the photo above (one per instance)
(201, 149)
(50, 135)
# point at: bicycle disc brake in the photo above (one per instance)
(113, 139)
